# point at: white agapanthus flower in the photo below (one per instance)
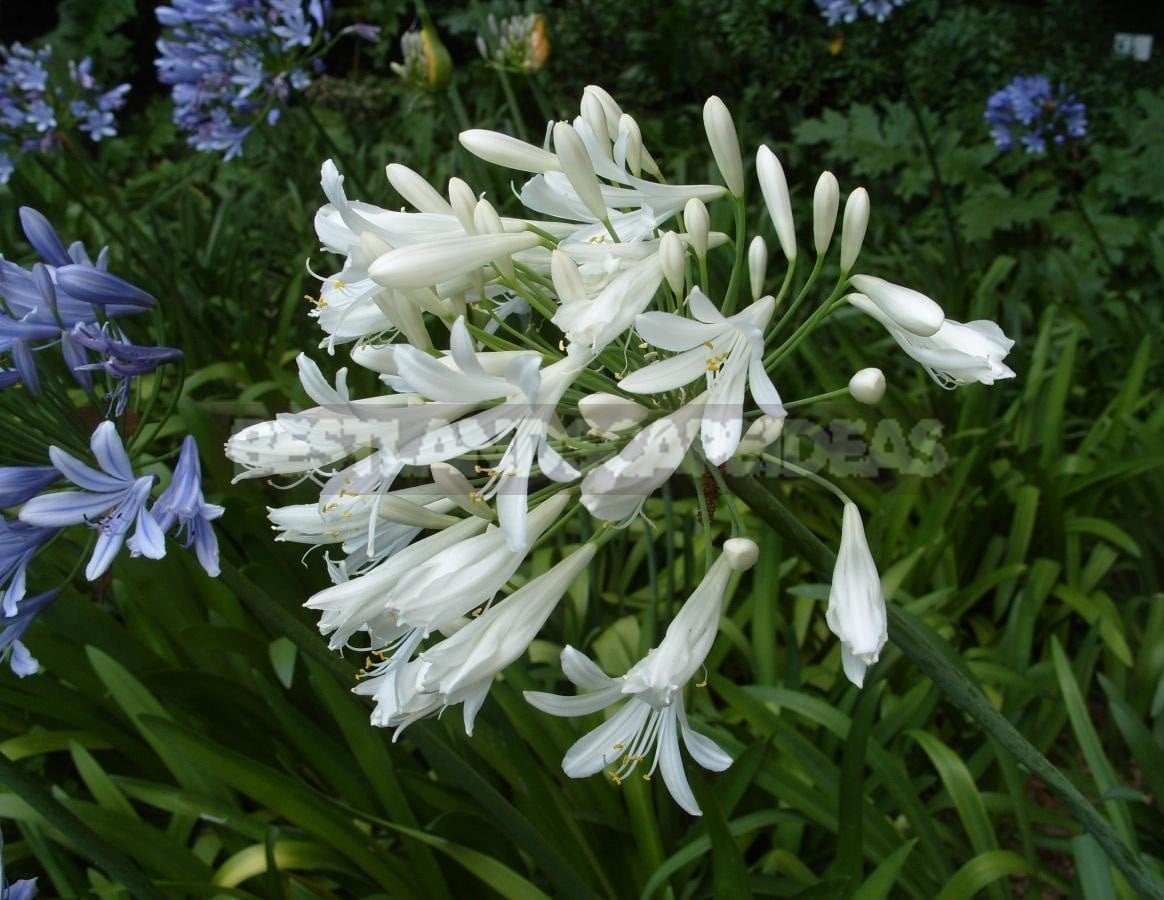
(727, 352)
(461, 668)
(647, 729)
(535, 368)
(956, 353)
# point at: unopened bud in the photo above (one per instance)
(416, 190)
(575, 162)
(630, 140)
(825, 200)
(673, 258)
(909, 309)
(741, 553)
(853, 228)
(757, 265)
(698, 224)
(868, 386)
(464, 203)
(774, 187)
(567, 278)
(725, 144)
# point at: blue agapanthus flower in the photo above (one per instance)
(182, 504)
(37, 101)
(230, 62)
(44, 303)
(1032, 112)
(112, 500)
(837, 11)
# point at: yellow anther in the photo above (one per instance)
(647, 777)
(618, 746)
(339, 284)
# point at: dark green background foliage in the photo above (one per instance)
(195, 738)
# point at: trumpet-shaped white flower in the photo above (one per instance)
(957, 353)
(650, 724)
(531, 398)
(856, 611)
(728, 352)
(461, 668)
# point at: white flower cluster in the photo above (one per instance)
(537, 368)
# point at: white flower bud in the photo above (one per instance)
(610, 413)
(595, 116)
(609, 107)
(416, 190)
(725, 145)
(757, 265)
(774, 187)
(486, 219)
(825, 200)
(853, 228)
(910, 309)
(443, 260)
(567, 278)
(698, 224)
(464, 203)
(579, 169)
(868, 386)
(628, 131)
(503, 150)
(741, 553)
(673, 258)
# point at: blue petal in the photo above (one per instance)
(106, 550)
(84, 476)
(94, 286)
(43, 237)
(110, 452)
(64, 508)
(19, 483)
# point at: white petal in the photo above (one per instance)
(668, 374)
(668, 331)
(581, 705)
(671, 764)
(606, 743)
(583, 672)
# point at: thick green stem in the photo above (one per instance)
(931, 657)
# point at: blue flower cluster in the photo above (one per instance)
(35, 105)
(68, 300)
(1031, 111)
(837, 11)
(231, 61)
